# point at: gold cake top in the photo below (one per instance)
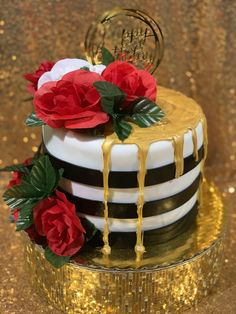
(182, 115)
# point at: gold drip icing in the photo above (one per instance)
(195, 143)
(142, 155)
(182, 114)
(205, 138)
(106, 148)
(205, 144)
(178, 143)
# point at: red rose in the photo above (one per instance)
(73, 102)
(15, 179)
(17, 175)
(34, 77)
(134, 82)
(55, 217)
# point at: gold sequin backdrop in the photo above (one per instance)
(200, 45)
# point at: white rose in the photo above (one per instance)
(64, 66)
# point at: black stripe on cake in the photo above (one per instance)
(122, 179)
(152, 237)
(124, 210)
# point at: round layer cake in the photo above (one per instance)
(149, 181)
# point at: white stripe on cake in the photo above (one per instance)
(148, 223)
(151, 193)
(86, 151)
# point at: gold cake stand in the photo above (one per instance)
(172, 276)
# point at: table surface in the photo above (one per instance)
(18, 296)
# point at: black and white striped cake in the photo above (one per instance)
(167, 198)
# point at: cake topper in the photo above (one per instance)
(130, 35)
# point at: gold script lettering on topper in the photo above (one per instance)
(130, 35)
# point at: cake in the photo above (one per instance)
(120, 156)
(136, 177)
(156, 170)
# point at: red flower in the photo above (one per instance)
(134, 82)
(34, 77)
(73, 102)
(55, 218)
(15, 179)
(17, 175)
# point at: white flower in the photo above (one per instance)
(64, 66)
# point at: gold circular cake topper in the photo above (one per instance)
(130, 35)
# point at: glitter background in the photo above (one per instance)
(199, 61)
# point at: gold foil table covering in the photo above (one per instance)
(187, 272)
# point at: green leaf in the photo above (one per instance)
(25, 179)
(43, 176)
(24, 222)
(89, 227)
(56, 260)
(27, 210)
(33, 120)
(146, 112)
(110, 94)
(122, 128)
(107, 57)
(22, 195)
(60, 172)
(85, 68)
(19, 168)
(38, 184)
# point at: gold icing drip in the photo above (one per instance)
(205, 143)
(195, 144)
(205, 138)
(106, 149)
(178, 143)
(142, 155)
(182, 114)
